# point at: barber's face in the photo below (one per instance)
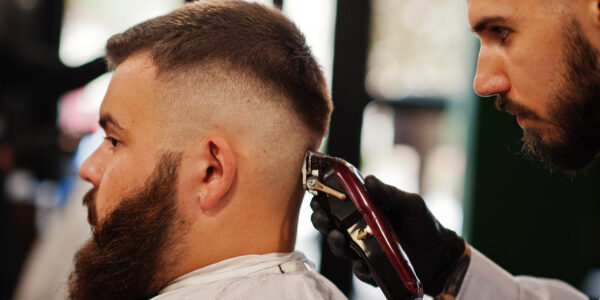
(545, 72)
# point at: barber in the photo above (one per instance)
(543, 70)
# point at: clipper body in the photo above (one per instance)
(352, 211)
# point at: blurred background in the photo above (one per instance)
(400, 72)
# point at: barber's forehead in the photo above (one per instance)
(487, 9)
(508, 2)
(520, 6)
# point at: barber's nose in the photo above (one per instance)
(491, 78)
(94, 166)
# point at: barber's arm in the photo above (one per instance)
(447, 267)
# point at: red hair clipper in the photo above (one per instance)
(352, 211)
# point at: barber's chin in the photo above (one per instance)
(534, 126)
(520, 121)
(528, 123)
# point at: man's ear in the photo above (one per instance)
(218, 171)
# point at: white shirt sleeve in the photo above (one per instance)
(486, 280)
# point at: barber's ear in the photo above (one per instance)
(218, 172)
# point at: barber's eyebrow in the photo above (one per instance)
(107, 120)
(483, 23)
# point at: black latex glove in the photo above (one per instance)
(432, 249)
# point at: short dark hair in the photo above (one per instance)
(249, 37)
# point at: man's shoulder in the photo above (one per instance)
(271, 276)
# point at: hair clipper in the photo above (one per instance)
(352, 211)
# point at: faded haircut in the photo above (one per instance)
(248, 37)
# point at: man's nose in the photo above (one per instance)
(491, 78)
(93, 167)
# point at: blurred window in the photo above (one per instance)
(419, 74)
(87, 24)
(419, 48)
(420, 70)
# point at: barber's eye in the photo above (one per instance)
(114, 142)
(501, 32)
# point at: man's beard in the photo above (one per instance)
(574, 111)
(124, 260)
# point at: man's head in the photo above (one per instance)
(541, 59)
(207, 117)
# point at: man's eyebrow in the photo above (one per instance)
(108, 120)
(483, 23)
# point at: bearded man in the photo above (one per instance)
(540, 58)
(197, 186)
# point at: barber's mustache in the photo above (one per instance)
(503, 103)
(89, 200)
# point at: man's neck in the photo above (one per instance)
(236, 233)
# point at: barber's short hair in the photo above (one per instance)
(247, 37)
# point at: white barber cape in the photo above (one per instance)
(269, 276)
(486, 280)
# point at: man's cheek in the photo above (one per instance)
(105, 203)
(110, 193)
(92, 214)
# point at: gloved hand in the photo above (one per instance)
(433, 250)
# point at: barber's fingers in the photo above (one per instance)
(401, 204)
(321, 221)
(384, 193)
(319, 218)
(315, 203)
(361, 270)
(339, 245)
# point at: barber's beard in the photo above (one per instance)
(575, 109)
(126, 257)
